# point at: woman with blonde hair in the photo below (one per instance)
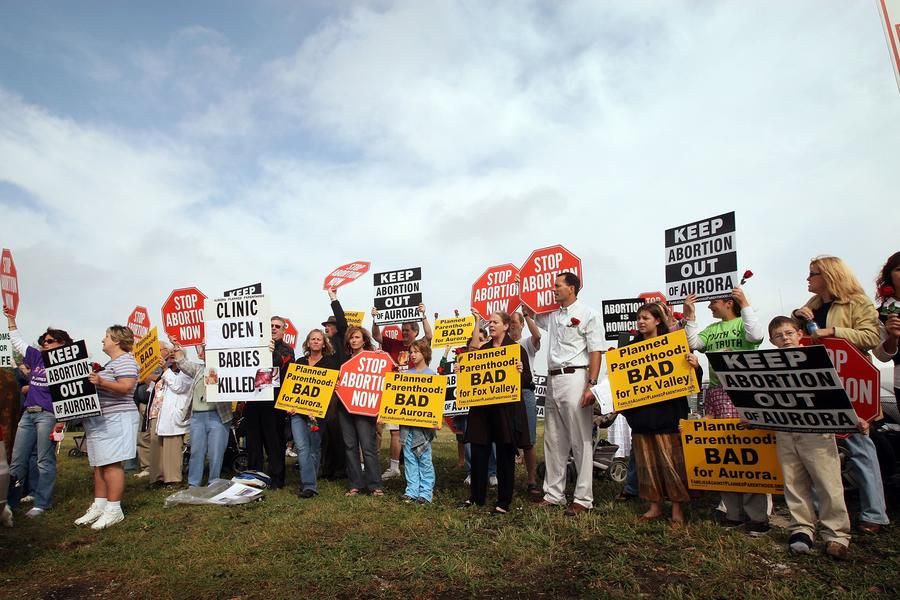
(840, 308)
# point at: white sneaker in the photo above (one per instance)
(142, 474)
(492, 481)
(6, 517)
(468, 480)
(390, 473)
(108, 519)
(290, 453)
(34, 512)
(93, 513)
(27, 499)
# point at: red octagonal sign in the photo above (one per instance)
(290, 334)
(860, 378)
(361, 382)
(345, 274)
(182, 315)
(9, 281)
(139, 322)
(496, 290)
(537, 277)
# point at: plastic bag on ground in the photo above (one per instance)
(220, 492)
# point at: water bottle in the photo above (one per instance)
(812, 326)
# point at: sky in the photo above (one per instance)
(146, 147)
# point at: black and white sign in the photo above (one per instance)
(791, 389)
(450, 407)
(73, 395)
(620, 316)
(237, 322)
(254, 289)
(540, 393)
(701, 259)
(398, 295)
(6, 358)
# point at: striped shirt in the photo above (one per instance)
(122, 367)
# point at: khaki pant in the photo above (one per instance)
(810, 460)
(165, 456)
(143, 442)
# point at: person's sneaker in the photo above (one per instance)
(800, 543)
(729, 524)
(836, 551)
(34, 512)
(108, 519)
(468, 480)
(492, 481)
(26, 499)
(758, 529)
(93, 513)
(289, 452)
(6, 517)
(142, 474)
(407, 499)
(423, 500)
(390, 473)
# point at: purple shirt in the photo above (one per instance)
(38, 392)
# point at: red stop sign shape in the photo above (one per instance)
(653, 297)
(139, 322)
(393, 332)
(345, 274)
(182, 315)
(361, 382)
(537, 277)
(9, 281)
(290, 334)
(496, 290)
(860, 378)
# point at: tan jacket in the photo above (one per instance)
(855, 320)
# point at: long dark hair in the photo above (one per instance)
(884, 277)
(656, 312)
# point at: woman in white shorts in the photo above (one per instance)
(112, 437)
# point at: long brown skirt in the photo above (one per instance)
(660, 467)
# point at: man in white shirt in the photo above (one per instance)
(573, 361)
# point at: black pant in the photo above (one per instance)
(264, 426)
(333, 456)
(506, 473)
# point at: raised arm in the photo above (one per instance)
(376, 330)
(426, 326)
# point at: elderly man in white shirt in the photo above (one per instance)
(574, 357)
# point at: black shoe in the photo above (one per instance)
(307, 493)
(625, 497)
(758, 529)
(800, 543)
(465, 504)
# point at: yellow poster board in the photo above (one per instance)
(307, 390)
(453, 332)
(414, 399)
(724, 455)
(651, 371)
(489, 376)
(354, 317)
(147, 353)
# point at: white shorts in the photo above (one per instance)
(112, 438)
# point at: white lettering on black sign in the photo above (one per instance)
(73, 395)
(620, 316)
(701, 259)
(398, 295)
(254, 289)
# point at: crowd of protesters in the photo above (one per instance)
(148, 421)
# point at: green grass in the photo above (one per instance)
(333, 546)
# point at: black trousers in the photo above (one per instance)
(506, 473)
(333, 456)
(264, 427)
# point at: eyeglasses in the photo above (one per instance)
(786, 335)
(48, 340)
(811, 274)
(274, 326)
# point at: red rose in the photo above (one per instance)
(886, 291)
(678, 316)
(574, 322)
(747, 275)
(95, 367)
(440, 370)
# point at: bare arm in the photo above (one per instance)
(376, 330)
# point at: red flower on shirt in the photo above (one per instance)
(573, 322)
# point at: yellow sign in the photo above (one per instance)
(651, 371)
(488, 376)
(354, 317)
(414, 399)
(146, 351)
(725, 455)
(307, 390)
(452, 332)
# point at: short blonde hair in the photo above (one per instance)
(122, 336)
(841, 282)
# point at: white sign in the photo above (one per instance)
(6, 358)
(238, 322)
(890, 20)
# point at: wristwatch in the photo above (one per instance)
(592, 381)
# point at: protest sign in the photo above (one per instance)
(789, 389)
(413, 399)
(307, 390)
(138, 322)
(238, 332)
(361, 382)
(651, 371)
(68, 370)
(860, 378)
(496, 290)
(147, 353)
(725, 455)
(398, 295)
(254, 289)
(290, 334)
(456, 331)
(6, 357)
(652, 297)
(537, 277)
(450, 407)
(345, 274)
(488, 376)
(540, 393)
(355, 319)
(890, 21)
(620, 316)
(9, 281)
(393, 332)
(182, 315)
(701, 259)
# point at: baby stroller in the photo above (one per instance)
(605, 462)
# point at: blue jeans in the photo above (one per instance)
(34, 432)
(631, 479)
(308, 445)
(419, 471)
(864, 464)
(531, 413)
(209, 438)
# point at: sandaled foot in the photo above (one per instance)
(353, 492)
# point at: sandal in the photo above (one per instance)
(378, 493)
(499, 511)
(353, 492)
(535, 490)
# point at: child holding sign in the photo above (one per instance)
(417, 440)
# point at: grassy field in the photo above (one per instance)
(333, 546)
